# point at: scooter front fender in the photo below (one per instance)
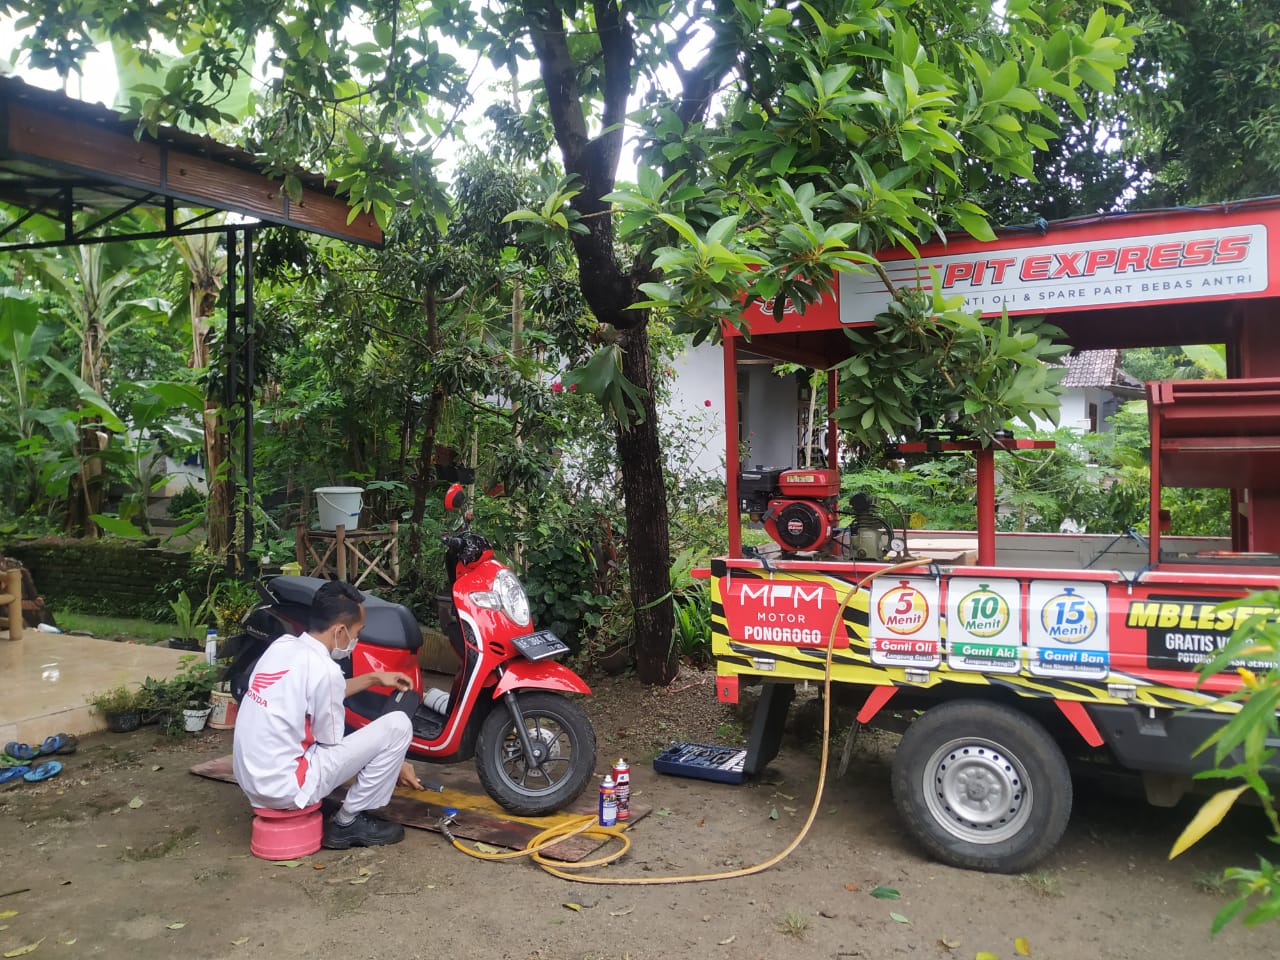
(543, 675)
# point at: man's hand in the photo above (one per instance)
(391, 678)
(385, 678)
(408, 778)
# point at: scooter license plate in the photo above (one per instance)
(541, 645)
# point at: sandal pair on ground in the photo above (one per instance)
(24, 752)
(41, 771)
(16, 762)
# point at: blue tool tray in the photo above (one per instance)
(702, 762)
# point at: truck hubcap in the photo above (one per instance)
(976, 791)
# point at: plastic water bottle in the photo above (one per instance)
(437, 700)
(46, 628)
(211, 646)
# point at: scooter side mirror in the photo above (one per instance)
(455, 498)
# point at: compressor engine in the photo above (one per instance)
(798, 506)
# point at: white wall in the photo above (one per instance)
(768, 414)
(699, 378)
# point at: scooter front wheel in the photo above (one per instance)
(560, 734)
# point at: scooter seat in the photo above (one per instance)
(299, 590)
(386, 624)
(390, 625)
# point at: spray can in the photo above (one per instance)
(622, 788)
(211, 646)
(608, 802)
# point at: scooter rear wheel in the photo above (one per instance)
(567, 740)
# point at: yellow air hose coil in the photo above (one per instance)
(588, 827)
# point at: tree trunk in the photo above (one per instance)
(202, 297)
(648, 540)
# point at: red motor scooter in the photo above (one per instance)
(534, 748)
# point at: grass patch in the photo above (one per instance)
(1044, 884)
(730, 730)
(117, 628)
(1211, 882)
(794, 923)
(161, 848)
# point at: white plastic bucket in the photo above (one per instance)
(339, 505)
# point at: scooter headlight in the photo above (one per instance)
(508, 596)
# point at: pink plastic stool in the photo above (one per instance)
(286, 834)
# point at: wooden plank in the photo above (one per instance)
(85, 147)
(205, 181)
(476, 817)
(77, 145)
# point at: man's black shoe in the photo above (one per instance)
(363, 831)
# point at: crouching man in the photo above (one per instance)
(289, 750)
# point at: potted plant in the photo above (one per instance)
(230, 601)
(189, 693)
(119, 707)
(191, 622)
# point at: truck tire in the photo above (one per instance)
(982, 786)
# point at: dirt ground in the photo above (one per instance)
(126, 854)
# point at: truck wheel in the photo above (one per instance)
(982, 786)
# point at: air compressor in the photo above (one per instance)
(799, 508)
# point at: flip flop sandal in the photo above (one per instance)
(20, 751)
(43, 771)
(58, 743)
(13, 773)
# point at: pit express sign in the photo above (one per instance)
(1151, 268)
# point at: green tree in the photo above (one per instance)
(792, 144)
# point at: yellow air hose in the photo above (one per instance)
(588, 827)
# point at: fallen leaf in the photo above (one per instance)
(664, 812)
(949, 944)
(886, 893)
(786, 796)
(728, 940)
(788, 809)
(986, 955)
(289, 863)
(156, 768)
(898, 918)
(23, 951)
(240, 942)
(69, 943)
(8, 914)
(572, 906)
(176, 926)
(362, 875)
(558, 920)
(773, 813)
(621, 913)
(702, 822)
(826, 915)
(317, 866)
(135, 803)
(4, 926)
(487, 847)
(851, 887)
(431, 886)
(1021, 947)
(102, 846)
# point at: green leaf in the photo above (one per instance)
(116, 526)
(886, 893)
(898, 918)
